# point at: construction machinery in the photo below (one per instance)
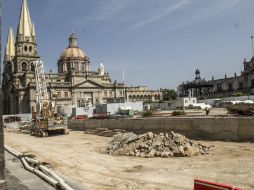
(45, 120)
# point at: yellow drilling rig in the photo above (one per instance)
(45, 120)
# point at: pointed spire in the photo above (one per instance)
(10, 46)
(33, 30)
(25, 23)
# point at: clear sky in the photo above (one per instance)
(159, 43)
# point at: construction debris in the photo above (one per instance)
(151, 145)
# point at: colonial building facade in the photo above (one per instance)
(74, 81)
(217, 88)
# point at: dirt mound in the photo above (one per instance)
(152, 145)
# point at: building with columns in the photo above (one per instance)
(235, 85)
(74, 81)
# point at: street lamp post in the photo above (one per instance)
(252, 46)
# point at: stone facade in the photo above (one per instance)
(74, 82)
(217, 88)
(141, 93)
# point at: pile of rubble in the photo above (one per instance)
(152, 145)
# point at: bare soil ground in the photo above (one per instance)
(82, 158)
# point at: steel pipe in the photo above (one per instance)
(44, 172)
(30, 160)
(39, 173)
(12, 151)
(56, 177)
(31, 169)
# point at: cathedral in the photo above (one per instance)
(74, 82)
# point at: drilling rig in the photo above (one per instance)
(45, 120)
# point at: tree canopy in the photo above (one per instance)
(168, 94)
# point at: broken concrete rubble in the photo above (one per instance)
(151, 145)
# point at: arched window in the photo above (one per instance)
(9, 66)
(76, 66)
(252, 83)
(78, 103)
(240, 85)
(24, 66)
(230, 86)
(68, 66)
(32, 67)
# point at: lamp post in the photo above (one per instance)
(252, 46)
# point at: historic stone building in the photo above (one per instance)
(74, 82)
(141, 93)
(217, 88)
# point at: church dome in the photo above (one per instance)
(73, 51)
(70, 53)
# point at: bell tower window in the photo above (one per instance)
(25, 48)
(24, 66)
(30, 48)
(32, 67)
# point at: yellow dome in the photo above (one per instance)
(72, 52)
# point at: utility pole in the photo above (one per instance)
(124, 90)
(252, 46)
(1, 44)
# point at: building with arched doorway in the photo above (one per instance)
(242, 84)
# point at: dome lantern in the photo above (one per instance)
(73, 41)
(197, 72)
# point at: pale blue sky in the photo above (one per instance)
(159, 43)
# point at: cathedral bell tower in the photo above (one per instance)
(25, 46)
(9, 54)
(18, 68)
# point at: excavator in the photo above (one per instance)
(45, 120)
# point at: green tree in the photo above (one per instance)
(168, 94)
